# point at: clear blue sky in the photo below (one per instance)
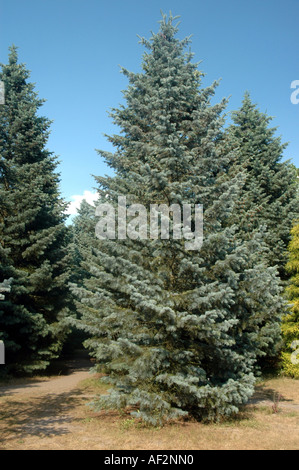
(74, 48)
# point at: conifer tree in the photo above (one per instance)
(32, 229)
(82, 230)
(176, 332)
(82, 238)
(269, 196)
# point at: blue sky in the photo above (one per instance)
(74, 49)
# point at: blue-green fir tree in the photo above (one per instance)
(176, 332)
(33, 235)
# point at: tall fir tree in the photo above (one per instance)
(269, 196)
(32, 229)
(176, 332)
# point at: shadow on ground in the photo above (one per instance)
(39, 416)
(44, 407)
(263, 393)
(75, 361)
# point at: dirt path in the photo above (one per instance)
(43, 407)
(50, 413)
(77, 370)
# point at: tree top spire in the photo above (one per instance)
(13, 54)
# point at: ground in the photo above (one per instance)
(52, 413)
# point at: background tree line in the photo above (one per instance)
(175, 332)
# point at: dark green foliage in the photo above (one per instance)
(32, 229)
(83, 229)
(176, 332)
(82, 233)
(269, 196)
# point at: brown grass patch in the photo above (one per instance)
(63, 421)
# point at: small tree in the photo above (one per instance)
(82, 240)
(82, 230)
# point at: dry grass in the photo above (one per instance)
(63, 421)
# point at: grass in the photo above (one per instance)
(94, 385)
(66, 422)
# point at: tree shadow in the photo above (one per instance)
(48, 415)
(263, 393)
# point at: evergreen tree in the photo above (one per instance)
(269, 196)
(32, 229)
(82, 238)
(82, 229)
(176, 331)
